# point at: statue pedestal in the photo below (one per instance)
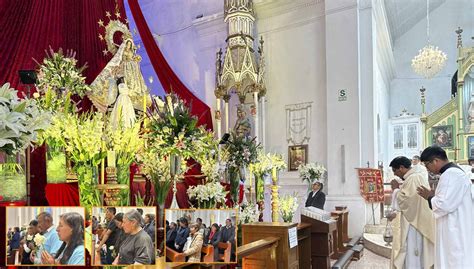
(111, 192)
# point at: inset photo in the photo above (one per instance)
(201, 235)
(45, 236)
(123, 235)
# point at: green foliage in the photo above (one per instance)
(58, 79)
(20, 121)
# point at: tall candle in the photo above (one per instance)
(102, 166)
(111, 158)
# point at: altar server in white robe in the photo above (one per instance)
(415, 236)
(452, 205)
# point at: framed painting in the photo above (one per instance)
(470, 147)
(297, 155)
(442, 136)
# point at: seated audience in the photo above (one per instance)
(171, 235)
(182, 235)
(193, 252)
(228, 236)
(213, 238)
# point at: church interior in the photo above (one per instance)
(318, 133)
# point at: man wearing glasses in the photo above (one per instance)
(452, 206)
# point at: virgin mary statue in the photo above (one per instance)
(121, 85)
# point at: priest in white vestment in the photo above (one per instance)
(452, 205)
(415, 235)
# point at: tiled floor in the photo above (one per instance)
(370, 260)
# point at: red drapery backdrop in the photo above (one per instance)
(171, 83)
(29, 27)
(167, 77)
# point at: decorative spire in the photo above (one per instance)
(459, 32)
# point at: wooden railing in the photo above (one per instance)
(242, 251)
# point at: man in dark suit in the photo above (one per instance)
(171, 235)
(182, 235)
(316, 198)
(228, 235)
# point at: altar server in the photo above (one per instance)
(452, 206)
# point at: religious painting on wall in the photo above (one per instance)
(297, 155)
(470, 147)
(442, 136)
(371, 184)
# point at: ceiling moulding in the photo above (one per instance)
(270, 8)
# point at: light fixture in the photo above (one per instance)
(430, 59)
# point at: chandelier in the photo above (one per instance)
(430, 60)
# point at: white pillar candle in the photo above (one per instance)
(226, 116)
(255, 115)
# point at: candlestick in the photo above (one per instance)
(111, 158)
(102, 165)
(144, 110)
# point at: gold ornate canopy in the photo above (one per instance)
(453, 117)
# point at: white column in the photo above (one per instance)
(226, 116)
(255, 115)
(262, 107)
(218, 118)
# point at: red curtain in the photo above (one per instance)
(169, 80)
(63, 194)
(29, 27)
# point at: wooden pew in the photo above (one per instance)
(257, 247)
(243, 251)
(207, 254)
(227, 247)
(171, 255)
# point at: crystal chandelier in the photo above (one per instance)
(430, 60)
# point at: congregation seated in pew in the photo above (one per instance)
(197, 243)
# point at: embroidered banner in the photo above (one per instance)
(371, 184)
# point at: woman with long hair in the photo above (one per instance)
(71, 232)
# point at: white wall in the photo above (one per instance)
(21, 216)
(294, 37)
(404, 89)
(312, 48)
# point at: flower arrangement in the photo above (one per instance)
(311, 172)
(248, 213)
(173, 129)
(59, 78)
(20, 121)
(240, 151)
(209, 195)
(288, 206)
(39, 240)
(158, 169)
(83, 137)
(266, 162)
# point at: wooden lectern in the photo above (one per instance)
(286, 257)
(322, 241)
